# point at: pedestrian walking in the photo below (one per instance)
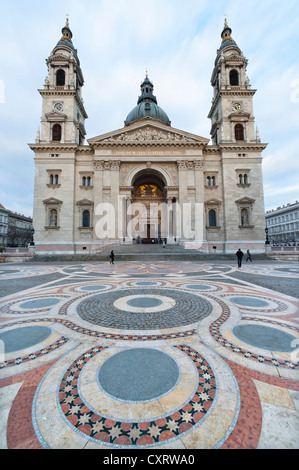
(248, 256)
(112, 257)
(163, 243)
(239, 255)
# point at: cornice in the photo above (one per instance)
(256, 146)
(64, 92)
(231, 92)
(51, 146)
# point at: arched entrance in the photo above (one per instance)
(149, 197)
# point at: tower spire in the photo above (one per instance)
(66, 32)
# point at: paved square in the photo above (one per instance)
(156, 355)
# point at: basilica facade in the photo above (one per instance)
(148, 182)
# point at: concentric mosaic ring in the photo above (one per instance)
(29, 305)
(106, 335)
(100, 310)
(216, 333)
(250, 302)
(111, 431)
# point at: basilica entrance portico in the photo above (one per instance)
(149, 199)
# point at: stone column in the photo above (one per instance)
(114, 181)
(183, 196)
(170, 209)
(200, 228)
(98, 191)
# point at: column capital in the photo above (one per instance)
(199, 164)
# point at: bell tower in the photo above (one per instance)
(231, 112)
(63, 112)
(239, 147)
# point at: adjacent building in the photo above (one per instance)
(15, 229)
(283, 225)
(148, 181)
(3, 226)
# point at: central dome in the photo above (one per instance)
(147, 106)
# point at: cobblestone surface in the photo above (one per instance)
(100, 310)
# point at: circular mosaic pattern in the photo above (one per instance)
(100, 310)
(287, 270)
(144, 304)
(21, 338)
(199, 287)
(39, 303)
(249, 302)
(265, 337)
(138, 375)
(144, 432)
(146, 283)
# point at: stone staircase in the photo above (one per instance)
(145, 253)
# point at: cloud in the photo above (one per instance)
(177, 41)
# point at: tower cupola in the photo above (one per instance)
(227, 40)
(66, 39)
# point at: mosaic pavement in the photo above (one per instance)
(148, 356)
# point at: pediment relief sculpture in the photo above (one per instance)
(149, 136)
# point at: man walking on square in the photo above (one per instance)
(239, 255)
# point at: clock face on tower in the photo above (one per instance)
(58, 106)
(237, 107)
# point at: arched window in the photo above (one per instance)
(208, 181)
(84, 181)
(88, 181)
(212, 218)
(53, 218)
(239, 132)
(60, 77)
(56, 179)
(86, 219)
(234, 78)
(213, 181)
(245, 179)
(240, 179)
(56, 132)
(51, 179)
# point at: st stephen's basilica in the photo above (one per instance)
(148, 182)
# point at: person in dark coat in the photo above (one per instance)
(112, 257)
(239, 255)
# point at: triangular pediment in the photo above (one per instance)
(245, 200)
(55, 116)
(52, 200)
(85, 202)
(148, 132)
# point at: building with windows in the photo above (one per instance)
(148, 181)
(3, 226)
(283, 225)
(15, 229)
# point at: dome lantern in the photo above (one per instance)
(147, 105)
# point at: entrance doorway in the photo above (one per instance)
(149, 194)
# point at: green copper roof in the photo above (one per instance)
(147, 105)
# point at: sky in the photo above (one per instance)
(176, 41)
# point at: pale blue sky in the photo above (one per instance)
(177, 41)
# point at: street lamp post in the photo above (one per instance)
(32, 239)
(267, 236)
